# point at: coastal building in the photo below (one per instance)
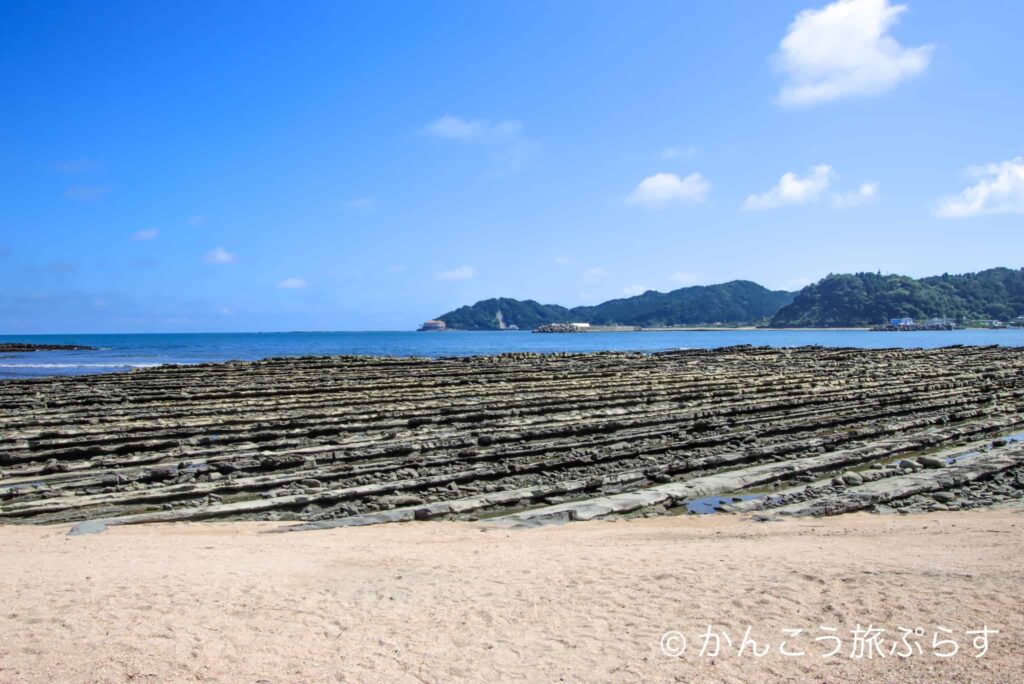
(433, 325)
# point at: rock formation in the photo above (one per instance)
(522, 438)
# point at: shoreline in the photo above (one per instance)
(456, 602)
(745, 328)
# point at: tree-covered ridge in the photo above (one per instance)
(739, 301)
(484, 315)
(870, 298)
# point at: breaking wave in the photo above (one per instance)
(80, 365)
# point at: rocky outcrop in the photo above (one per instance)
(10, 347)
(559, 328)
(524, 437)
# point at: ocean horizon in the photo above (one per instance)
(124, 352)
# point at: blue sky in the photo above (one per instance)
(227, 166)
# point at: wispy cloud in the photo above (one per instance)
(86, 193)
(867, 192)
(509, 147)
(452, 127)
(843, 50)
(75, 166)
(460, 273)
(219, 255)
(667, 188)
(146, 234)
(999, 190)
(292, 284)
(594, 274)
(196, 220)
(679, 152)
(792, 189)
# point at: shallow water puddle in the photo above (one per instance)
(712, 504)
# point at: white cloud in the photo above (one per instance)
(220, 256)
(844, 50)
(664, 188)
(867, 192)
(634, 290)
(460, 273)
(792, 189)
(467, 130)
(684, 277)
(592, 275)
(999, 190)
(146, 234)
(226, 311)
(197, 220)
(292, 284)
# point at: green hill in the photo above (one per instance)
(500, 313)
(838, 300)
(869, 298)
(736, 302)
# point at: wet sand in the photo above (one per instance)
(449, 601)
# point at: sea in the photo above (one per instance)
(118, 353)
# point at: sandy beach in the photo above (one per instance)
(477, 461)
(448, 601)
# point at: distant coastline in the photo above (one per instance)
(738, 328)
(993, 298)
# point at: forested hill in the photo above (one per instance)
(501, 313)
(870, 298)
(739, 301)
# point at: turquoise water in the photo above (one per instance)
(122, 352)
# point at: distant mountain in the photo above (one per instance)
(736, 302)
(869, 298)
